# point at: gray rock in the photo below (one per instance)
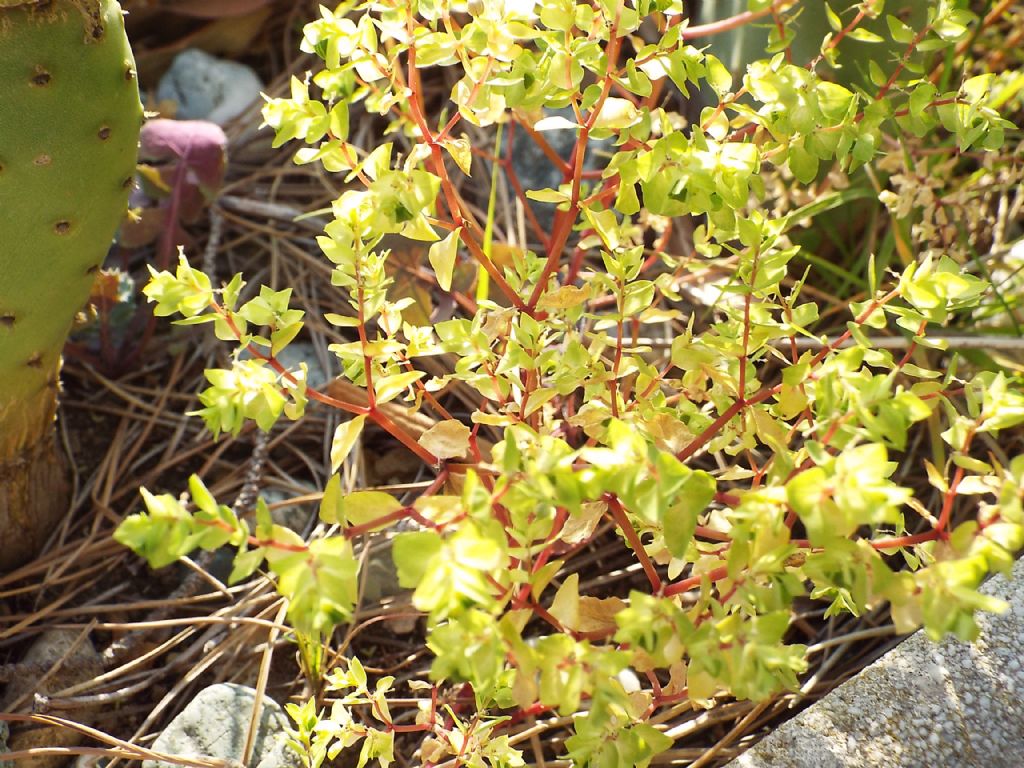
(304, 352)
(51, 649)
(301, 352)
(947, 705)
(294, 516)
(535, 171)
(215, 724)
(381, 576)
(208, 88)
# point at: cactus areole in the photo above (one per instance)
(69, 127)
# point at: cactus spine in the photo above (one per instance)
(69, 126)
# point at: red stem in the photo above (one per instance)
(379, 418)
(565, 219)
(694, 581)
(619, 515)
(724, 25)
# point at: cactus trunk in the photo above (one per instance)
(69, 126)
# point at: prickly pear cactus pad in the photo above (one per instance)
(69, 126)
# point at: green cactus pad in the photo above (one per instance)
(69, 126)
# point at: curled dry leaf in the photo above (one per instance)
(581, 526)
(565, 297)
(597, 614)
(584, 613)
(446, 439)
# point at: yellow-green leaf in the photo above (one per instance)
(330, 502)
(345, 437)
(460, 151)
(616, 114)
(537, 398)
(364, 506)
(442, 258)
(566, 605)
(390, 387)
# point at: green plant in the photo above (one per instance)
(591, 426)
(69, 129)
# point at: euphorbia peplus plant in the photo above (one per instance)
(592, 426)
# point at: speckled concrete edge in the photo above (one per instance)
(4, 733)
(922, 705)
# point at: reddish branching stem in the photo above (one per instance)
(622, 521)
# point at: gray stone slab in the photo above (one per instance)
(215, 724)
(923, 705)
(4, 733)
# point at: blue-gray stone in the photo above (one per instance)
(208, 88)
(535, 171)
(215, 724)
(303, 352)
